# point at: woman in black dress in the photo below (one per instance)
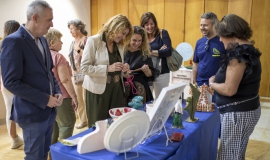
(141, 66)
(237, 83)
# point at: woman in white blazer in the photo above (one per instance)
(102, 64)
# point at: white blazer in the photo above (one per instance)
(95, 60)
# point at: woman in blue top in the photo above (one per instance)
(160, 43)
(237, 84)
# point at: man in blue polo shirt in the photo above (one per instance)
(208, 50)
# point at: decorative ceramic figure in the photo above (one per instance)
(136, 103)
(94, 140)
(177, 117)
(205, 101)
(191, 103)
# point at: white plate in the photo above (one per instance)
(70, 142)
(127, 132)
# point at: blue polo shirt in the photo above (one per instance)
(208, 60)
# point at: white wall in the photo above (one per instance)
(63, 11)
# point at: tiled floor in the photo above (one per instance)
(258, 147)
(10, 154)
(262, 129)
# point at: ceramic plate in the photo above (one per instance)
(127, 132)
(70, 142)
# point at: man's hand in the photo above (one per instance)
(55, 101)
(59, 98)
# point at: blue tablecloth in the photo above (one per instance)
(200, 143)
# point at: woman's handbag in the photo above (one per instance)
(174, 62)
(78, 78)
(134, 89)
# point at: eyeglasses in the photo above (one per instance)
(206, 45)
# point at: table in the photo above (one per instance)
(200, 143)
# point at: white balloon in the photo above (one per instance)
(185, 50)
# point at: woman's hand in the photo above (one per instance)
(155, 52)
(74, 103)
(163, 47)
(146, 70)
(125, 67)
(212, 79)
(118, 66)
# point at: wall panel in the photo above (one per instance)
(194, 9)
(135, 10)
(260, 24)
(121, 7)
(105, 11)
(157, 7)
(241, 8)
(94, 17)
(219, 7)
(174, 20)
(193, 12)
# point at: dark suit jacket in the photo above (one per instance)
(25, 74)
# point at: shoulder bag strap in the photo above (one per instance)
(84, 42)
(135, 61)
(71, 57)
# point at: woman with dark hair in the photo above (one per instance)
(103, 66)
(237, 85)
(77, 30)
(10, 27)
(160, 43)
(141, 65)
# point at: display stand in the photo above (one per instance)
(162, 109)
(159, 131)
(123, 143)
(127, 132)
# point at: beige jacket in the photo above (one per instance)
(94, 64)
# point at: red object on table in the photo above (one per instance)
(177, 136)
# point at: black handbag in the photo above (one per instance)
(174, 62)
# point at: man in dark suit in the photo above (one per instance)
(26, 65)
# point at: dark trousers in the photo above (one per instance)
(37, 138)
